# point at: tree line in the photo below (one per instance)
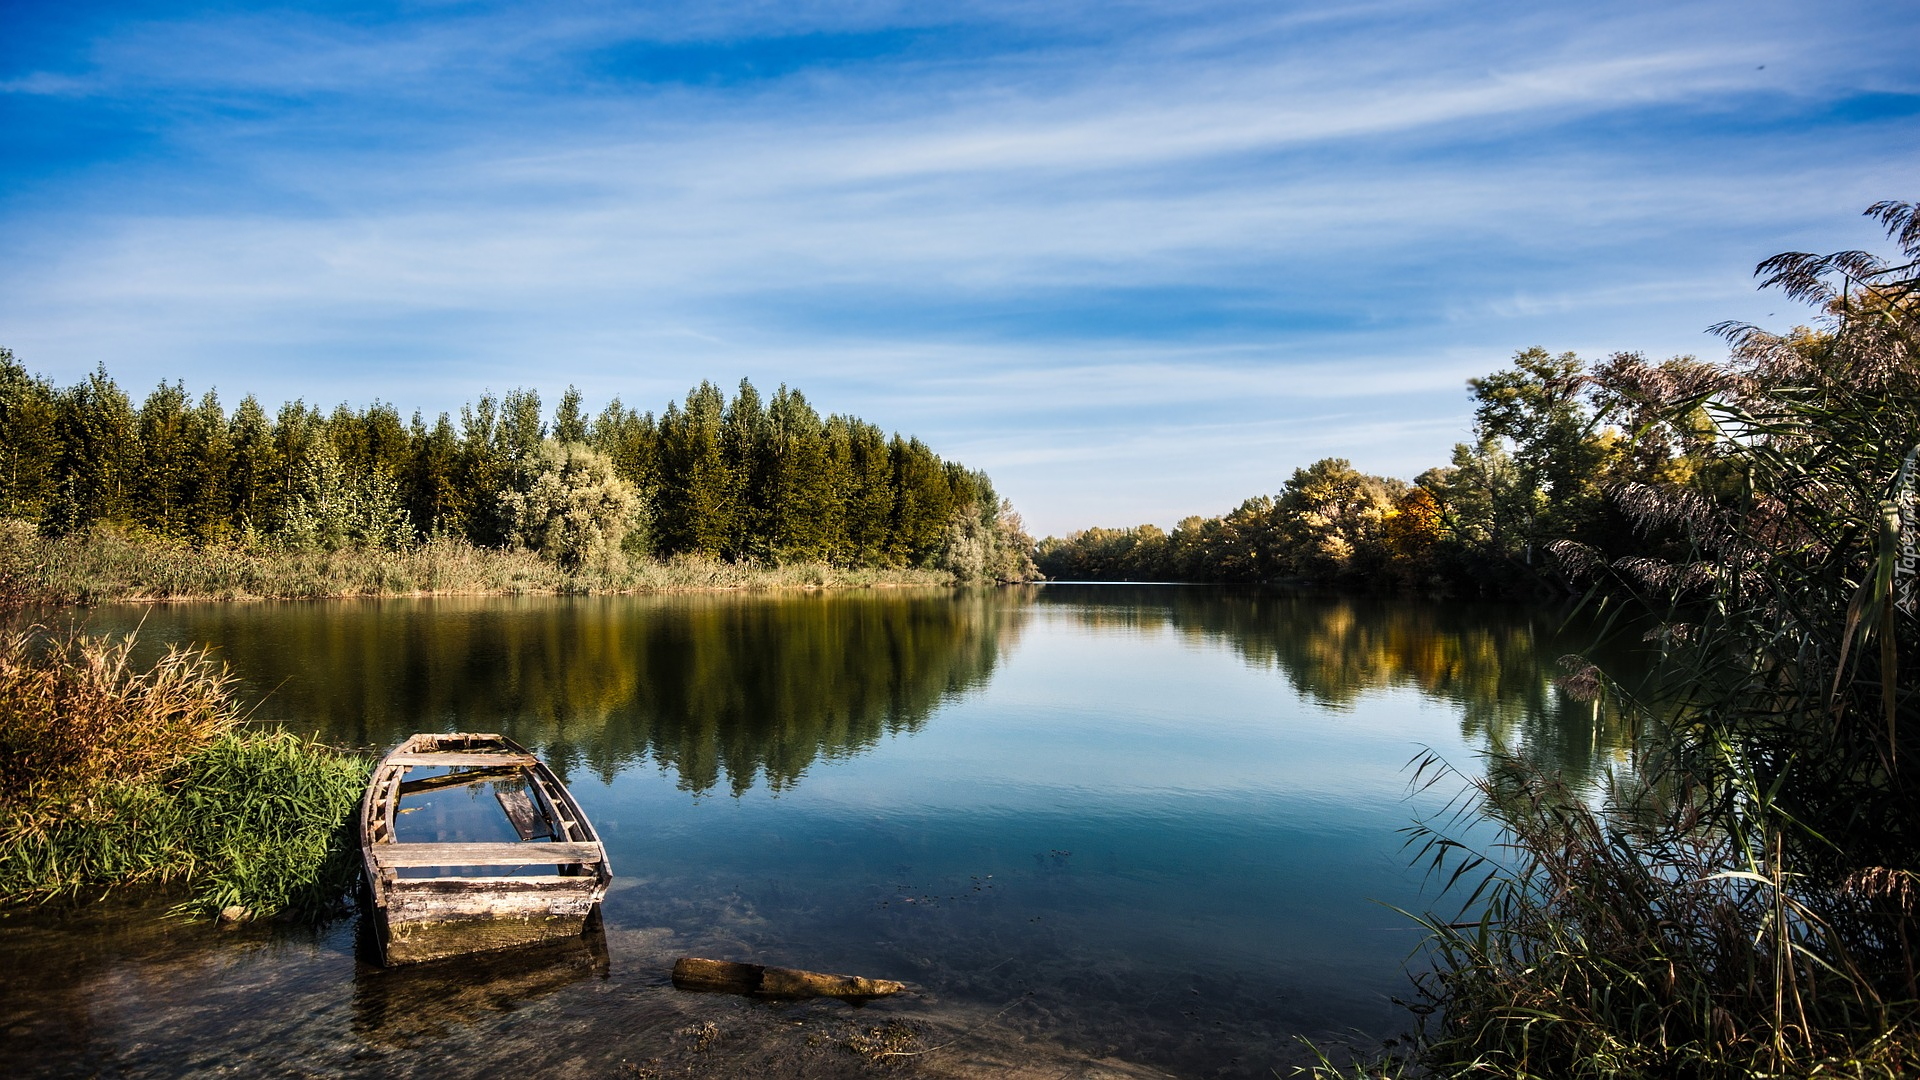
(1553, 437)
(744, 478)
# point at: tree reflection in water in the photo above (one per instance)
(1498, 664)
(722, 689)
(730, 690)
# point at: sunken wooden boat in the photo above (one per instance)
(430, 899)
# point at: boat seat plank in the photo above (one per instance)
(457, 779)
(500, 883)
(393, 856)
(458, 757)
(528, 822)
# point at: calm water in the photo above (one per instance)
(1094, 826)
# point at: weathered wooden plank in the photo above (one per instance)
(389, 856)
(695, 973)
(503, 882)
(457, 779)
(458, 757)
(432, 939)
(526, 820)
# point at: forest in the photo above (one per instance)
(1554, 439)
(745, 480)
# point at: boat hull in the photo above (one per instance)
(432, 918)
(426, 901)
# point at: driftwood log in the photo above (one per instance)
(694, 973)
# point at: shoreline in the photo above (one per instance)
(112, 567)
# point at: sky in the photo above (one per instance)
(1136, 260)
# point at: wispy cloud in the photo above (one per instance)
(1062, 239)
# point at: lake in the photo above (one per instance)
(1100, 829)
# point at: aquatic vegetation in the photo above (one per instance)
(112, 777)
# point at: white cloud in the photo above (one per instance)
(1099, 250)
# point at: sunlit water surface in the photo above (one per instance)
(1095, 827)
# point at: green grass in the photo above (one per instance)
(113, 777)
(253, 825)
(109, 565)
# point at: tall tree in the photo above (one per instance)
(569, 423)
(206, 503)
(99, 454)
(483, 472)
(745, 440)
(436, 500)
(29, 441)
(697, 484)
(251, 472)
(802, 506)
(921, 502)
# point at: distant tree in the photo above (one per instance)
(521, 431)
(161, 480)
(329, 509)
(698, 489)
(1415, 525)
(576, 511)
(251, 469)
(859, 453)
(921, 502)
(746, 443)
(206, 502)
(1537, 411)
(803, 507)
(29, 442)
(483, 471)
(1331, 519)
(436, 499)
(989, 550)
(569, 423)
(99, 454)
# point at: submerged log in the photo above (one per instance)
(694, 973)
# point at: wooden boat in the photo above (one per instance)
(432, 899)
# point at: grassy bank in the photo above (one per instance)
(112, 777)
(106, 565)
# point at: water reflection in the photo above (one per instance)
(722, 690)
(408, 1006)
(727, 691)
(1497, 664)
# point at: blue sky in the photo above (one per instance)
(1138, 261)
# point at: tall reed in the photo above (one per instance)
(1746, 908)
(106, 564)
(114, 776)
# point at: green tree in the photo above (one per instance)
(252, 468)
(483, 471)
(698, 487)
(161, 480)
(520, 431)
(746, 441)
(436, 500)
(1331, 519)
(1537, 409)
(569, 423)
(206, 502)
(921, 502)
(577, 511)
(29, 442)
(99, 454)
(803, 508)
(860, 455)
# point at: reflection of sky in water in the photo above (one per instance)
(1117, 806)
